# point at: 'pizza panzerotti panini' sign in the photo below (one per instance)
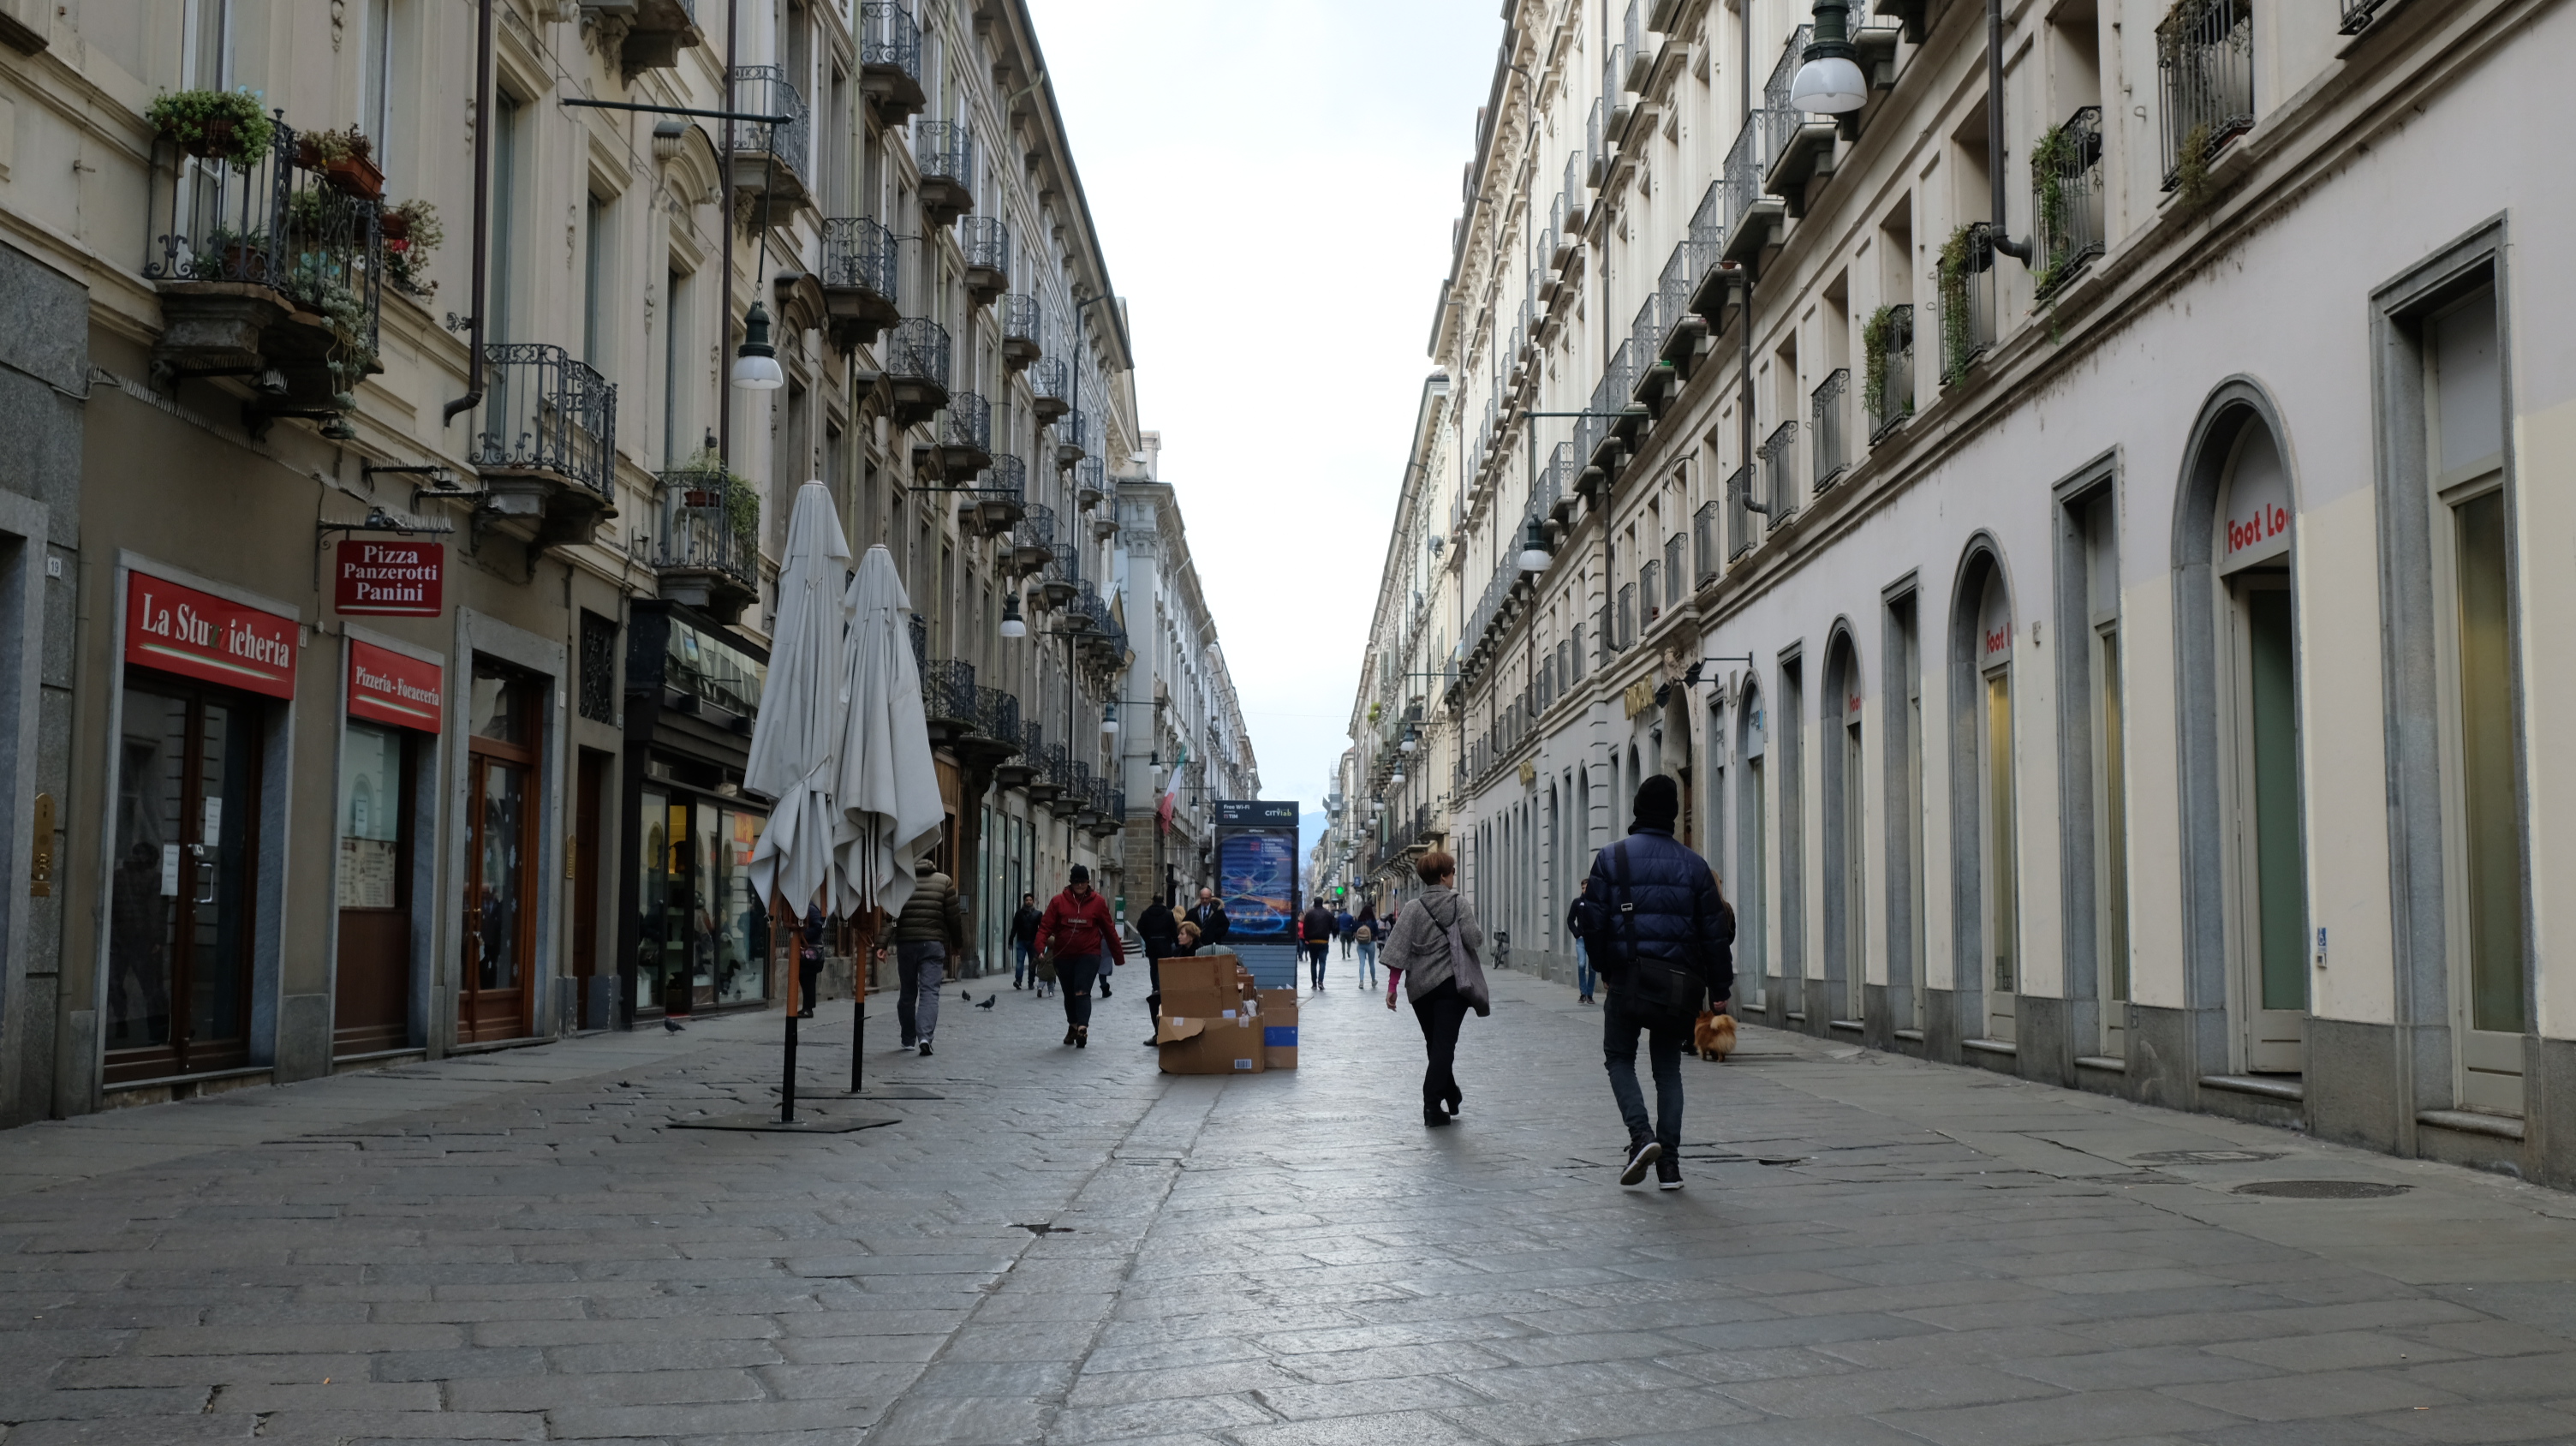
(390, 579)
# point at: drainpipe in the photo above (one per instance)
(2018, 250)
(482, 210)
(724, 299)
(1744, 377)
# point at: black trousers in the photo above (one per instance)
(1315, 957)
(1075, 973)
(1441, 1012)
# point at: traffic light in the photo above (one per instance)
(1341, 891)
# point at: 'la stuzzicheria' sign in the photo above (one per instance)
(198, 635)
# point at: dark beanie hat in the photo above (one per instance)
(1080, 874)
(1659, 803)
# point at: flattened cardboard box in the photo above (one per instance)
(1278, 1021)
(1218, 972)
(1209, 1046)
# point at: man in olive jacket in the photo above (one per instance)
(931, 927)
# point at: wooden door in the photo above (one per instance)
(184, 893)
(501, 808)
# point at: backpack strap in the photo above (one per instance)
(1623, 908)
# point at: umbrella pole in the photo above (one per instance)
(787, 1090)
(859, 1001)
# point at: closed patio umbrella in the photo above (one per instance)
(796, 740)
(888, 792)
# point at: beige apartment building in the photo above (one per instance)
(2081, 527)
(384, 590)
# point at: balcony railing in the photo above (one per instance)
(1650, 592)
(1780, 119)
(1577, 196)
(2357, 15)
(1072, 438)
(268, 222)
(945, 151)
(1050, 391)
(544, 412)
(709, 523)
(890, 57)
(1740, 527)
(1825, 425)
(1627, 616)
(1676, 579)
(1746, 161)
(961, 436)
(1000, 498)
(948, 693)
(997, 716)
(1023, 330)
(919, 352)
(1780, 472)
(766, 90)
(1967, 301)
(1891, 398)
(859, 254)
(2066, 197)
(986, 242)
(2205, 71)
(1595, 159)
(1705, 542)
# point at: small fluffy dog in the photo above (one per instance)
(1713, 1038)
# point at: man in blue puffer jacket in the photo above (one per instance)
(1663, 939)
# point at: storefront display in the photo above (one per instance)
(500, 855)
(392, 701)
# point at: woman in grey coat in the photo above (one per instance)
(1442, 983)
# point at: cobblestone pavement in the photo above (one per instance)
(1067, 1246)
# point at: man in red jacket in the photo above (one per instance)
(1078, 926)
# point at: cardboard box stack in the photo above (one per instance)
(1213, 1020)
(1279, 1027)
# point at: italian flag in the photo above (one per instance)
(1172, 790)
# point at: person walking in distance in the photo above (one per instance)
(1078, 927)
(1662, 938)
(931, 928)
(1024, 938)
(1316, 930)
(1367, 942)
(809, 960)
(1209, 915)
(1159, 932)
(1347, 928)
(1434, 947)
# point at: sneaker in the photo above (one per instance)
(1668, 1174)
(907, 1044)
(1641, 1158)
(925, 1047)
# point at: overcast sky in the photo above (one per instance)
(1274, 182)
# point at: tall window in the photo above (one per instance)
(1905, 719)
(598, 240)
(376, 77)
(2474, 585)
(676, 441)
(2101, 596)
(1998, 866)
(507, 123)
(1793, 831)
(1753, 850)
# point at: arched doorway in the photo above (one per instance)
(1845, 823)
(2245, 884)
(1985, 800)
(1753, 851)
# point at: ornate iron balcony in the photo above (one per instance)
(1893, 400)
(1825, 428)
(706, 548)
(2066, 198)
(1780, 472)
(987, 244)
(1968, 304)
(544, 412)
(2205, 71)
(858, 277)
(916, 364)
(1050, 390)
(945, 151)
(890, 59)
(1023, 331)
(766, 90)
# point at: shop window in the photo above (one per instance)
(598, 668)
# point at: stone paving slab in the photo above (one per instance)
(1066, 1246)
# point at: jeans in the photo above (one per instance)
(1022, 960)
(1346, 946)
(1315, 957)
(809, 983)
(1583, 977)
(1667, 1031)
(1368, 964)
(1076, 972)
(1441, 1012)
(919, 971)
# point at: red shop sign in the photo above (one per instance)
(198, 635)
(391, 687)
(390, 579)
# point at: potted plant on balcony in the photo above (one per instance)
(347, 157)
(411, 233)
(225, 125)
(230, 255)
(1958, 335)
